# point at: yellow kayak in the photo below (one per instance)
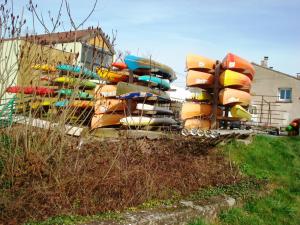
(44, 67)
(239, 112)
(198, 94)
(42, 103)
(113, 76)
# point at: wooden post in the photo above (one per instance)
(216, 96)
(261, 109)
(129, 102)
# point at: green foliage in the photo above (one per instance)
(277, 160)
(198, 222)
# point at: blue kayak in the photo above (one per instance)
(143, 95)
(162, 83)
(80, 70)
(61, 104)
(136, 63)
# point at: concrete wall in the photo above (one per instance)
(267, 83)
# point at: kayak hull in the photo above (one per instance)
(238, 64)
(234, 79)
(193, 109)
(106, 120)
(197, 94)
(199, 79)
(229, 96)
(109, 106)
(164, 84)
(136, 63)
(239, 112)
(113, 76)
(146, 121)
(200, 63)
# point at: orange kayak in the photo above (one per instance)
(200, 63)
(199, 79)
(234, 79)
(229, 96)
(238, 64)
(197, 124)
(104, 120)
(109, 106)
(193, 109)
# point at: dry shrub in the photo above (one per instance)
(46, 173)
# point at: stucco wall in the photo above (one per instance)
(267, 82)
(9, 51)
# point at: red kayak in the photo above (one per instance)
(238, 64)
(31, 90)
(119, 65)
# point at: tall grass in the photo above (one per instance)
(276, 160)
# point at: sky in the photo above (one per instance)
(168, 30)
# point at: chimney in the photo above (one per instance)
(264, 62)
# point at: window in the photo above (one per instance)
(285, 94)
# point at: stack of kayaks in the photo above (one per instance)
(150, 81)
(197, 109)
(138, 103)
(233, 92)
(108, 109)
(60, 87)
(235, 81)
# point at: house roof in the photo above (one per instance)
(69, 36)
(276, 71)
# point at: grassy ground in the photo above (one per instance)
(276, 160)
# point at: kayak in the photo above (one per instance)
(119, 65)
(147, 121)
(153, 108)
(75, 82)
(105, 120)
(126, 88)
(109, 106)
(75, 104)
(197, 94)
(44, 67)
(113, 76)
(200, 63)
(164, 84)
(229, 96)
(72, 93)
(84, 72)
(202, 124)
(31, 90)
(199, 79)
(234, 79)
(193, 109)
(239, 112)
(136, 63)
(106, 91)
(43, 103)
(238, 64)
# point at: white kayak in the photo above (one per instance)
(153, 108)
(146, 121)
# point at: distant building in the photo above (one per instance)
(276, 96)
(92, 47)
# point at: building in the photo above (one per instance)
(276, 96)
(92, 47)
(89, 48)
